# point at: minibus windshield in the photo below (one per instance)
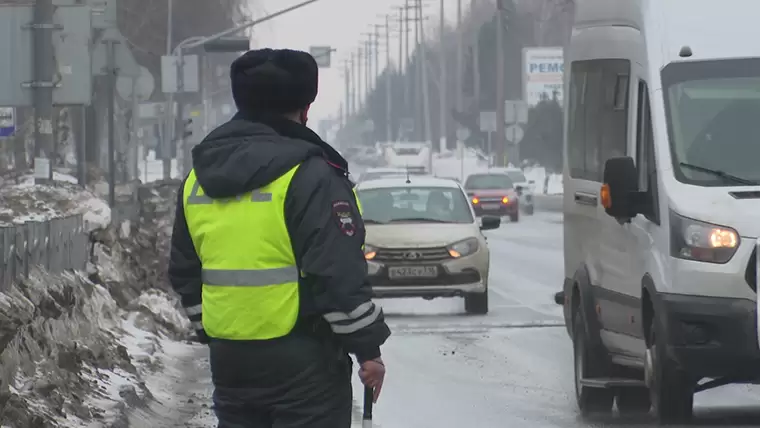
(713, 116)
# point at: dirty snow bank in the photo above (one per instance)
(24, 201)
(76, 349)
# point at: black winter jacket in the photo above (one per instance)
(322, 217)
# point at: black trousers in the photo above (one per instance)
(298, 381)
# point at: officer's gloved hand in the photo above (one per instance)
(201, 337)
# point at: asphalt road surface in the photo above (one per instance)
(510, 368)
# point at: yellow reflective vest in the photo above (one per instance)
(250, 278)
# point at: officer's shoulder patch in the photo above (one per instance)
(343, 213)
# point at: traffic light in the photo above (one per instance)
(187, 128)
(228, 44)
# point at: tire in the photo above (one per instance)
(671, 390)
(529, 210)
(633, 401)
(476, 303)
(588, 364)
(515, 217)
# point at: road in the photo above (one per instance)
(510, 368)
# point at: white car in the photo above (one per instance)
(525, 188)
(423, 240)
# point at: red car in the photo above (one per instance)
(493, 194)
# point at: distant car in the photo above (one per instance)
(375, 173)
(423, 240)
(525, 188)
(493, 193)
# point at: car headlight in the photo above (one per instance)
(369, 252)
(699, 241)
(463, 248)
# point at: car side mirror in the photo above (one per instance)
(490, 222)
(519, 189)
(620, 195)
(531, 181)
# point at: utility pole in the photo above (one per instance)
(367, 69)
(354, 74)
(346, 110)
(377, 51)
(460, 59)
(111, 113)
(401, 31)
(500, 98)
(388, 81)
(168, 139)
(476, 63)
(442, 89)
(404, 54)
(359, 87)
(424, 76)
(43, 90)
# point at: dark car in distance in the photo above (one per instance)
(493, 193)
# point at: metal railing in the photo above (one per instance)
(55, 245)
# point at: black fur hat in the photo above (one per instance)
(274, 80)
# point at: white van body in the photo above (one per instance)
(665, 82)
(408, 154)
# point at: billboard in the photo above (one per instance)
(543, 69)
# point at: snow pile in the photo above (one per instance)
(24, 201)
(76, 351)
(546, 183)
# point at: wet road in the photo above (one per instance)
(510, 368)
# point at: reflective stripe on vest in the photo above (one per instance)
(250, 278)
(358, 203)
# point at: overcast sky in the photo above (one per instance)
(340, 24)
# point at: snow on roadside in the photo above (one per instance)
(546, 183)
(84, 350)
(24, 201)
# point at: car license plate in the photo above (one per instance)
(491, 206)
(402, 272)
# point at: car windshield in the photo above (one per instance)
(407, 151)
(713, 114)
(415, 205)
(517, 176)
(488, 182)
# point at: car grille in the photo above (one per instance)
(422, 254)
(750, 274)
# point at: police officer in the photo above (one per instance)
(267, 257)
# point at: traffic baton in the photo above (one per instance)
(369, 396)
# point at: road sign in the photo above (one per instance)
(322, 55)
(7, 121)
(516, 112)
(514, 134)
(488, 121)
(144, 86)
(463, 134)
(125, 61)
(543, 70)
(169, 65)
(71, 46)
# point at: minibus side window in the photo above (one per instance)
(645, 157)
